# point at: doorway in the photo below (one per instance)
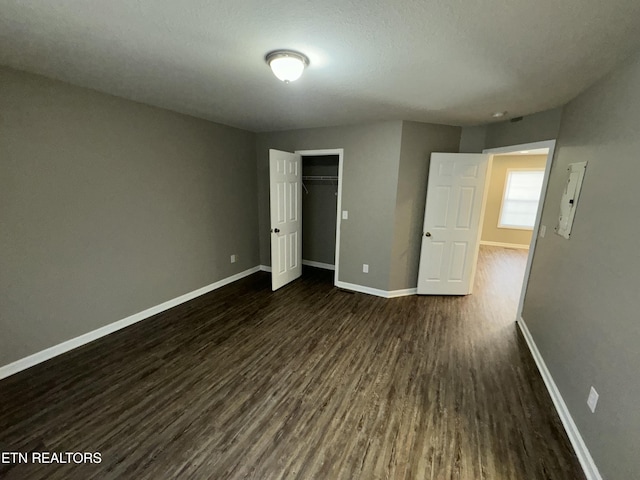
(457, 192)
(287, 177)
(321, 207)
(515, 190)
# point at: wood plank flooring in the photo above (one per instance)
(308, 382)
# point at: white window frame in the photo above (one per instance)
(504, 195)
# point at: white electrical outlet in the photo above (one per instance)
(345, 214)
(592, 401)
(543, 230)
(234, 258)
(365, 268)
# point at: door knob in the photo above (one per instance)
(275, 230)
(428, 234)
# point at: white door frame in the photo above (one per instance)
(340, 153)
(551, 145)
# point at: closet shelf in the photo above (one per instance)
(320, 177)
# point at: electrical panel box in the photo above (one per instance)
(570, 196)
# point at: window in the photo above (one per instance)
(520, 200)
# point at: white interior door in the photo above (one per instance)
(451, 232)
(285, 174)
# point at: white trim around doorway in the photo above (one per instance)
(340, 153)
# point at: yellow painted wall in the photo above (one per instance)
(490, 230)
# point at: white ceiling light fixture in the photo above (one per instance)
(498, 114)
(286, 64)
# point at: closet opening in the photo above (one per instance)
(320, 174)
(321, 210)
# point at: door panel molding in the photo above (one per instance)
(285, 187)
(452, 220)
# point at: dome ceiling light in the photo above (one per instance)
(286, 64)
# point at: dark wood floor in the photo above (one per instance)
(309, 382)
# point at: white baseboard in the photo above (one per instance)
(377, 292)
(402, 293)
(76, 342)
(505, 245)
(582, 452)
(356, 288)
(326, 266)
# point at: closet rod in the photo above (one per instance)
(320, 177)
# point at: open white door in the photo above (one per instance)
(285, 174)
(451, 233)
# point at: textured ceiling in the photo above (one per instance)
(442, 61)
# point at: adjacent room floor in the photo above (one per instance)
(308, 382)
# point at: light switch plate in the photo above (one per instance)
(543, 231)
(345, 214)
(365, 268)
(233, 259)
(592, 401)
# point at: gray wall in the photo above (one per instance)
(473, 139)
(419, 140)
(109, 207)
(370, 178)
(532, 128)
(319, 207)
(582, 300)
